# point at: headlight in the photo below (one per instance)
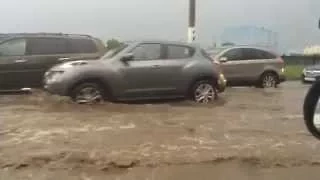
(53, 76)
(304, 71)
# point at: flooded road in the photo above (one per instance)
(248, 133)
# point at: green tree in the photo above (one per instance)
(113, 43)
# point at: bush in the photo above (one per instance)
(293, 72)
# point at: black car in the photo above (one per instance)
(25, 57)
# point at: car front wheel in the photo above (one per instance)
(87, 93)
(204, 92)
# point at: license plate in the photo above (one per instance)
(309, 79)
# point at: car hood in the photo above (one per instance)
(79, 63)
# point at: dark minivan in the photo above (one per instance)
(25, 57)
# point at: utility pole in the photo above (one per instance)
(192, 21)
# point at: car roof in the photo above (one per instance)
(165, 42)
(247, 46)
(50, 35)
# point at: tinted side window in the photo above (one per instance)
(41, 46)
(15, 47)
(179, 52)
(267, 55)
(251, 54)
(234, 54)
(82, 46)
(147, 52)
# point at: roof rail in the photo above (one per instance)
(43, 33)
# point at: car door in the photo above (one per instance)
(254, 63)
(232, 67)
(41, 54)
(12, 59)
(141, 74)
(173, 78)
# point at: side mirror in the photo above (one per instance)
(127, 57)
(223, 59)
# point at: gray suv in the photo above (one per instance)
(244, 65)
(139, 70)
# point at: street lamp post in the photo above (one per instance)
(192, 21)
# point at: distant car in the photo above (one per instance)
(140, 70)
(310, 74)
(250, 66)
(26, 57)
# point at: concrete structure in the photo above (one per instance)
(250, 35)
(312, 50)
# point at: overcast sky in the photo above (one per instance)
(295, 20)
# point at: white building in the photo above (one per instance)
(312, 50)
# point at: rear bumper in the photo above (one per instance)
(282, 78)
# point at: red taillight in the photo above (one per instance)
(281, 60)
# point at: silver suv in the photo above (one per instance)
(250, 66)
(140, 70)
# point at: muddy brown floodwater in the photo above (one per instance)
(247, 134)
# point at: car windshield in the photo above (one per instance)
(113, 52)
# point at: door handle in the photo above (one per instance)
(64, 59)
(20, 60)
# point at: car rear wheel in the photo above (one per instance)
(88, 93)
(204, 92)
(269, 80)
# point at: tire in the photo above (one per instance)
(309, 105)
(268, 80)
(88, 93)
(203, 92)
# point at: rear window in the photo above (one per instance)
(82, 46)
(268, 55)
(38, 46)
(252, 54)
(179, 52)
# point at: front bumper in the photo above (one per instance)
(56, 88)
(222, 83)
(309, 79)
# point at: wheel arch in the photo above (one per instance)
(272, 71)
(101, 82)
(202, 77)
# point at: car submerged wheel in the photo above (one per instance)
(269, 80)
(203, 92)
(87, 93)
